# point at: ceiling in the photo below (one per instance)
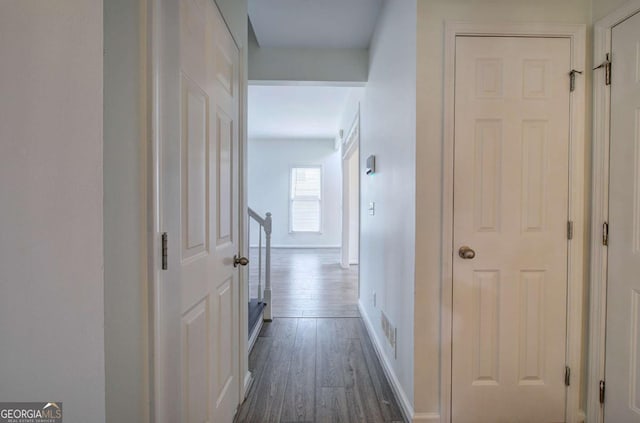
(301, 112)
(314, 23)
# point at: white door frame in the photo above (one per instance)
(150, 103)
(349, 146)
(600, 205)
(576, 259)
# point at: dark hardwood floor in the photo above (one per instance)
(317, 370)
(308, 283)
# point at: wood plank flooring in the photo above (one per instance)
(308, 283)
(317, 370)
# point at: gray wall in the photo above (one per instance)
(51, 251)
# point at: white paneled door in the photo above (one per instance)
(198, 306)
(511, 193)
(622, 370)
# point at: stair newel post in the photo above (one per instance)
(267, 265)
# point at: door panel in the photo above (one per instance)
(224, 186)
(198, 306)
(511, 187)
(225, 338)
(622, 370)
(196, 334)
(195, 168)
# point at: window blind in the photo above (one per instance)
(306, 195)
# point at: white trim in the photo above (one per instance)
(283, 83)
(350, 145)
(426, 417)
(405, 404)
(248, 382)
(577, 35)
(301, 247)
(154, 210)
(243, 226)
(600, 207)
(582, 416)
(255, 332)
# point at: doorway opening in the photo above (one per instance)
(303, 195)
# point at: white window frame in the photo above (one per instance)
(291, 199)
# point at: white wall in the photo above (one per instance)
(601, 8)
(388, 119)
(307, 64)
(270, 162)
(51, 253)
(127, 356)
(432, 15)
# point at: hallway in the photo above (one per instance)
(309, 283)
(317, 370)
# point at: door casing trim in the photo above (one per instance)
(576, 33)
(347, 151)
(600, 206)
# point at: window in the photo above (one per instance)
(306, 189)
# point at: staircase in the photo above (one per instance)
(259, 281)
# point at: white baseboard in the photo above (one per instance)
(256, 331)
(301, 247)
(426, 417)
(405, 405)
(248, 382)
(582, 416)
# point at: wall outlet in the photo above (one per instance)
(373, 298)
(372, 208)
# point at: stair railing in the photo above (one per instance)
(265, 226)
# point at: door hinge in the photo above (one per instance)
(567, 376)
(602, 392)
(605, 233)
(570, 229)
(607, 70)
(165, 251)
(572, 79)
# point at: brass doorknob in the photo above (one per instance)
(466, 253)
(242, 261)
